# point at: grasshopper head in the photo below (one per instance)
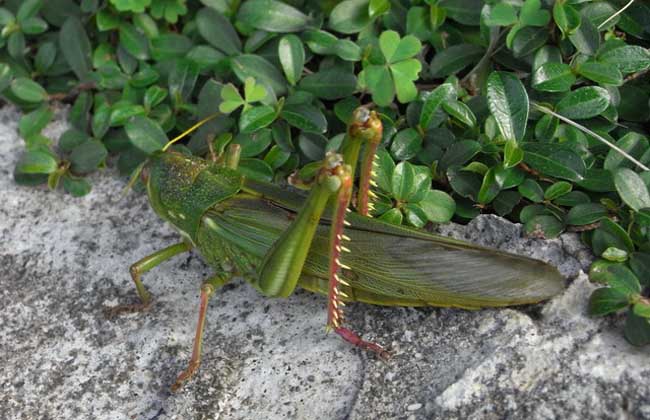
(182, 188)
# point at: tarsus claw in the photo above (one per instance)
(352, 338)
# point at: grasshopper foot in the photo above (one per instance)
(185, 375)
(127, 309)
(352, 338)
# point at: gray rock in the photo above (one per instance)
(64, 260)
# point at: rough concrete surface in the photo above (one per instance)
(63, 260)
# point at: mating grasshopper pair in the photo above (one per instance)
(277, 240)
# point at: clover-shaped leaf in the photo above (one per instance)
(531, 14)
(136, 6)
(168, 9)
(396, 76)
(232, 99)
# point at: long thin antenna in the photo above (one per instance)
(189, 130)
(591, 133)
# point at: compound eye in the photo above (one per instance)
(361, 115)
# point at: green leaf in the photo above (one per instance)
(332, 83)
(543, 226)
(553, 77)
(508, 103)
(260, 69)
(512, 154)
(292, 57)
(467, 12)
(415, 216)
(584, 102)
(404, 73)
(489, 188)
(637, 329)
(585, 214)
(566, 17)
(5, 76)
(532, 14)
(640, 264)
(28, 90)
(72, 138)
(276, 157)
(573, 199)
(621, 278)
(606, 300)
(528, 40)
(406, 144)
(77, 187)
(433, 100)
(255, 169)
(438, 206)
(378, 7)
(87, 156)
(146, 134)
(136, 6)
(384, 170)
(392, 216)
(256, 117)
(642, 309)
(305, 117)
(32, 123)
(396, 49)
(252, 91)
(610, 234)
(153, 96)
(403, 181)
(601, 73)
(254, 144)
(380, 82)
(455, 58)
(272, 16)
(557, 189)
(633, 143)
(218, 31)
(627, 58)
(460, 112)
(134, 41)
(459, 153)
(554, 160)
(586, 38)
(347, 50)
(505, 202)
(501, 14)
(123, 110)
(632, 189)
(464, 183)
(349, 16)
(531, 190)
(75, 47)
(615, 255)
(169, 46)
(36, 162)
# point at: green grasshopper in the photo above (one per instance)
(277, 239)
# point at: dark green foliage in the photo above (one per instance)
(519, 108)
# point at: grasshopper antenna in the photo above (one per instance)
(190, 130)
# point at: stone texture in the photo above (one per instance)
(64, 260)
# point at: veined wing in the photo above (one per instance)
(392, 264)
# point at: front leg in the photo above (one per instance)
(142, 266)
(284, 262)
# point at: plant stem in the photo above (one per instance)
(591, 133)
